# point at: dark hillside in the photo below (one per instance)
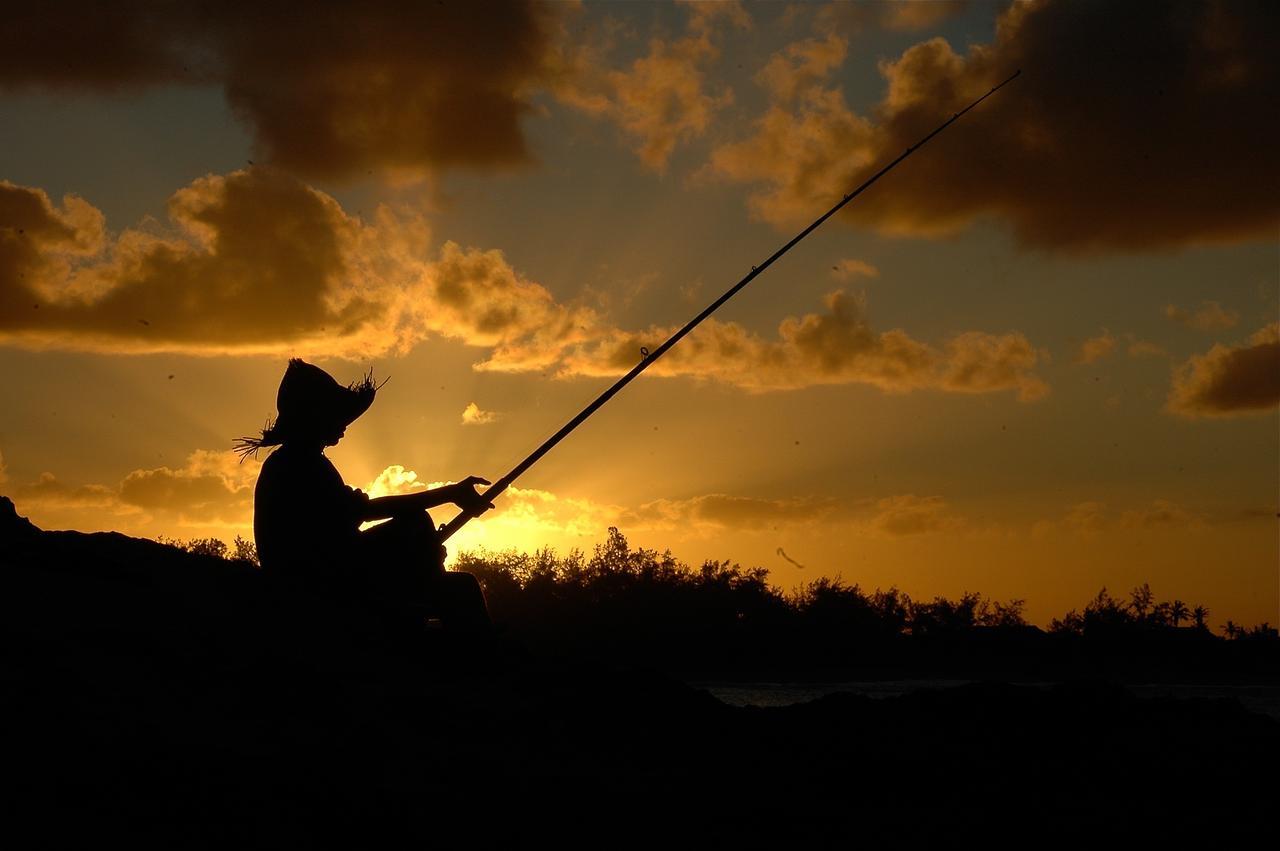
(159, 693)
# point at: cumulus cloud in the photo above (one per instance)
(1110, 153)
(1209, 316)
(344, 88)
(394, 480)
(473, 414)
(837, 346)
(477, 297)
(1229, 381)
(1096, 348)
(258, 262)
(805, 143)
(48, 492)
(211, 488)
(663, 98)
(254, 260)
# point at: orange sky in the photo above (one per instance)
(1041, 357)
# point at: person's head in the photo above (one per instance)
(314, 409)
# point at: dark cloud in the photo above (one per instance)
(1134, 126)
(330, 90)
(1230, 381)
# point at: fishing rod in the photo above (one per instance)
(648, 358)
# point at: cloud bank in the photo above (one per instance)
(210, 489)
(1229, 381)
(343, 88)
(837, 346)
(258, 262)
(1160, 134)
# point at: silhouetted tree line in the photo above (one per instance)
(241, 551)
(639, 604)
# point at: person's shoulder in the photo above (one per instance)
(288, 460)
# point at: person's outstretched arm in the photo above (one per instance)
(462, 494)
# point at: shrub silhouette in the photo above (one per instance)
(625, 603)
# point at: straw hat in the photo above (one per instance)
(311, 403)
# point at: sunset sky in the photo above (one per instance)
(1041, 357)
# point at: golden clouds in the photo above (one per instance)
(473, 414)
(477, 297)
(837, 346)
(211, 485)
(663, 98)
(394, 480)
(805, 144)
(254, 261)
(1133, 127)
(1230, 381)
(258, 262)
(48, 492)
(339, 89)
(211, 488)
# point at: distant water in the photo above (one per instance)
(1263, 699)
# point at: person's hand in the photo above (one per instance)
(466, 498)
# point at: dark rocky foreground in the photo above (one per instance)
(155, 693)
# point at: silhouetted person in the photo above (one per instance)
(306, 522)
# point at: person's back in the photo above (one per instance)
(306, 522)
